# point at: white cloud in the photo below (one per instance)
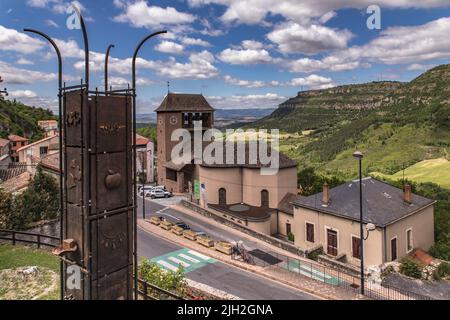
(195, 42)
(23, 61)
(140, 14)
(12, 40)
(249, 52)
(255, 11)
(22, 94)
(199, 66)
(13, 75)
(292, 37)
(123, 82)
(268, 100)
(394, 45)
(51, 23)
(312, 81)
(419, 67)
(244, 83)
(169, 47)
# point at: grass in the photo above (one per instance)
(433, 170)
(18, 256)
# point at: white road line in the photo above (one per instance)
(167, 265)
(178, 261)
(188, 258)
(198, 254)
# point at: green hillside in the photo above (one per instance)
(401, 124)
(17, 118)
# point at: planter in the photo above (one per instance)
(191, 235)
(155, 220)
(205, 241)
(166, 225)
(224, 247)
(177, 230)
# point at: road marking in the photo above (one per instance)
(188, 258)
(198, 254)
(167, 265)
(178, 261)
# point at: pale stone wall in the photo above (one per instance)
(284, 218)
(373, 246)
(422, 226)
(216, 178)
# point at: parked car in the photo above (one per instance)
(158, 193)
(183, 225)
(146, 189)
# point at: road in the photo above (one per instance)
(214, 273)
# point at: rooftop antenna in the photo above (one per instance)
(168, 87)
(4, 91)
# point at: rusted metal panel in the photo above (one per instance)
(75, 103)
(110, 237)
(110, 177)
(74, 175)
(113, 286)
(109, 127)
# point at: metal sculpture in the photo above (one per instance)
(98, 184)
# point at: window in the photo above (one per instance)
(43, 150)
(409, 240)
(265, 198)
(309, 232)
(222, 196)
(171, 174)
(356, 247)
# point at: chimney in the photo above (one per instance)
(407, 195)
(325, 194)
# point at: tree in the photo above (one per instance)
(40, 201)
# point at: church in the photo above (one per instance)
(236, 188)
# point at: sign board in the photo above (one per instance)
(196, 189)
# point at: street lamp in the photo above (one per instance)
(358, 155)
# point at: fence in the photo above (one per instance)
(331, 276)
(146, 291)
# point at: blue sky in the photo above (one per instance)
(238, 53)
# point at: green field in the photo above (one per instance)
(434, 170)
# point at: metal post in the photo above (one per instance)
(133, 70)
(143, 185)
(60, 119)
(361, 234)
(359, 156)
(106, 66)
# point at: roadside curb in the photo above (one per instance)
(144, 225)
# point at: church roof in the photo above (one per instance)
(184, 102)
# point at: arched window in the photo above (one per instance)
(264, 198)
(222, 196)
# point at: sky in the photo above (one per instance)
(237, 53)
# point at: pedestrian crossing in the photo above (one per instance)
(311, 272)
(190, 260)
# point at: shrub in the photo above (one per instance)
(313, 255)
(442, 271)
(387, 271)
(410, 268)
(291, 236)
(167, 280)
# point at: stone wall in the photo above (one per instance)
(338, 265)
(266, 238)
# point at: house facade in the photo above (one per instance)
(4, 153)
(31, 154)
(16, 142)
(403, 222)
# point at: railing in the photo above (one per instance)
(333, 277)
(30, 238)
(146, 291)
